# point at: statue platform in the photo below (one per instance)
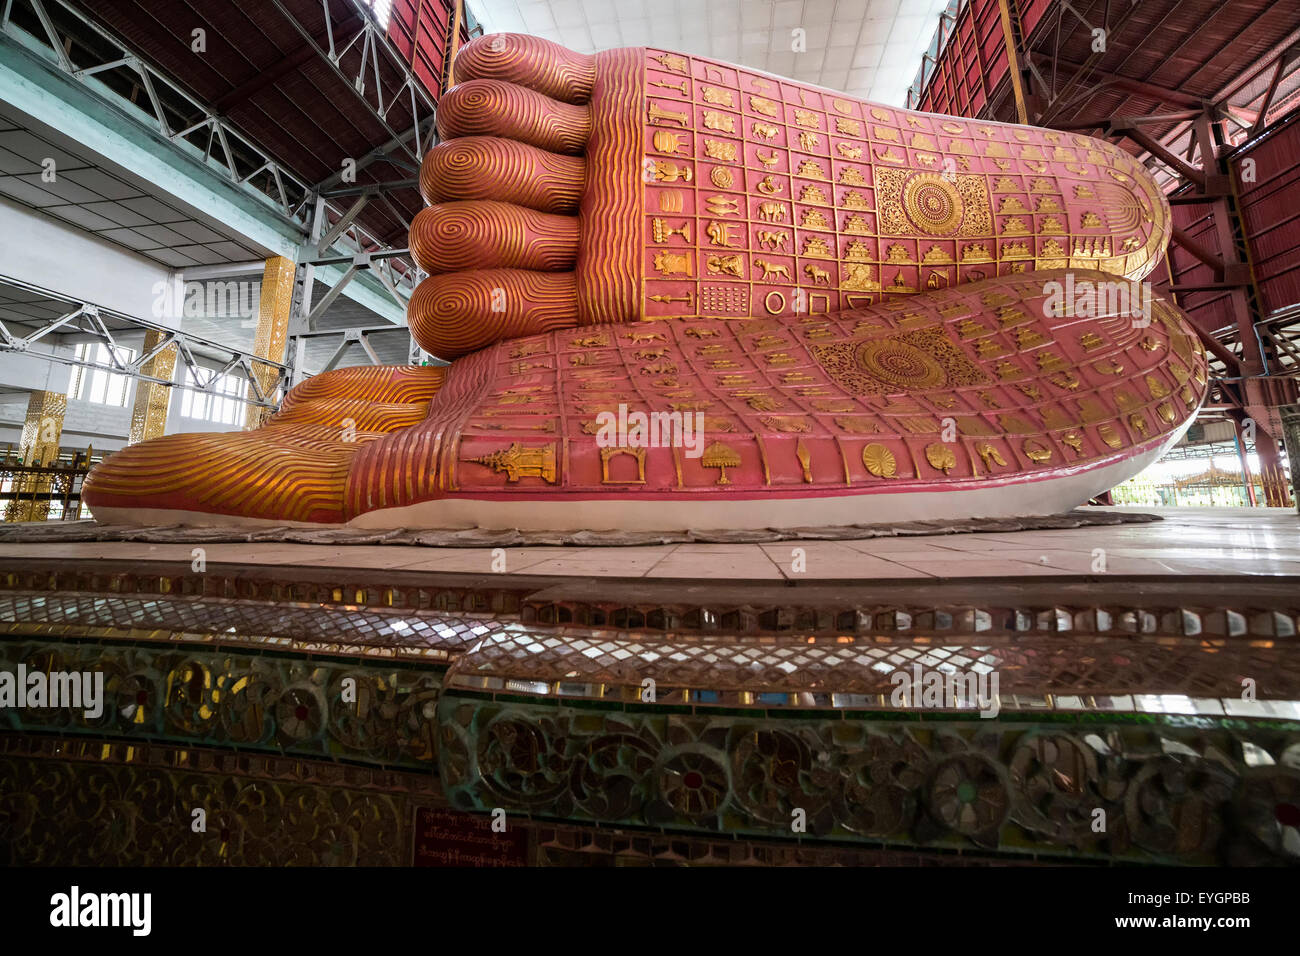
(771, 691)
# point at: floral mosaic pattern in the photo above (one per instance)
(250, 701)
(1183, 791)
(96, 805)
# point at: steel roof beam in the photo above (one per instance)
(1160, 152)
(206, 361)
(357, 84)
(270, 77)
(342, 223)
(1199, 251)
(371, 188)
(1259, 66)
(272, 204)
(1131, 84)
(77, 107)
(1282, 62)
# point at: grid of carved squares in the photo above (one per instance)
(764, 397)
(730, 154)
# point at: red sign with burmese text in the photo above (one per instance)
(449, 838)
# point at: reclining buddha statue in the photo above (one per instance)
(676, 293)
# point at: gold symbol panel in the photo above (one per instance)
(921, 359)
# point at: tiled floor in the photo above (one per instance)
(1189, 541)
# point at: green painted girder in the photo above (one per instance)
(127, 137)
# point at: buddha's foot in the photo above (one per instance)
(980, 400)
(576, 190)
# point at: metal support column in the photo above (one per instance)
(1247, 312)
(1291, 441)
(304, 288)
(1239, 440)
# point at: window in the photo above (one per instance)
(383, 9)
(223, 402)
(96, 385)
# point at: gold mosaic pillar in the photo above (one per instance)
(39, 444)
(272, 327)
(149, 415)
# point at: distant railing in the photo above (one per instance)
(43, 491)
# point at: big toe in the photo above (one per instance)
(276, 473)
(294, 469)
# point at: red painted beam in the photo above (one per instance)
(1160, 152)
(1198, 250)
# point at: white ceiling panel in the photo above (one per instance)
(866, 48)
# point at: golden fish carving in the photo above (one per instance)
(786, 423)
(1036, 451)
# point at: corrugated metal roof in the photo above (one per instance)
(261, 74)
(1197, 50)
